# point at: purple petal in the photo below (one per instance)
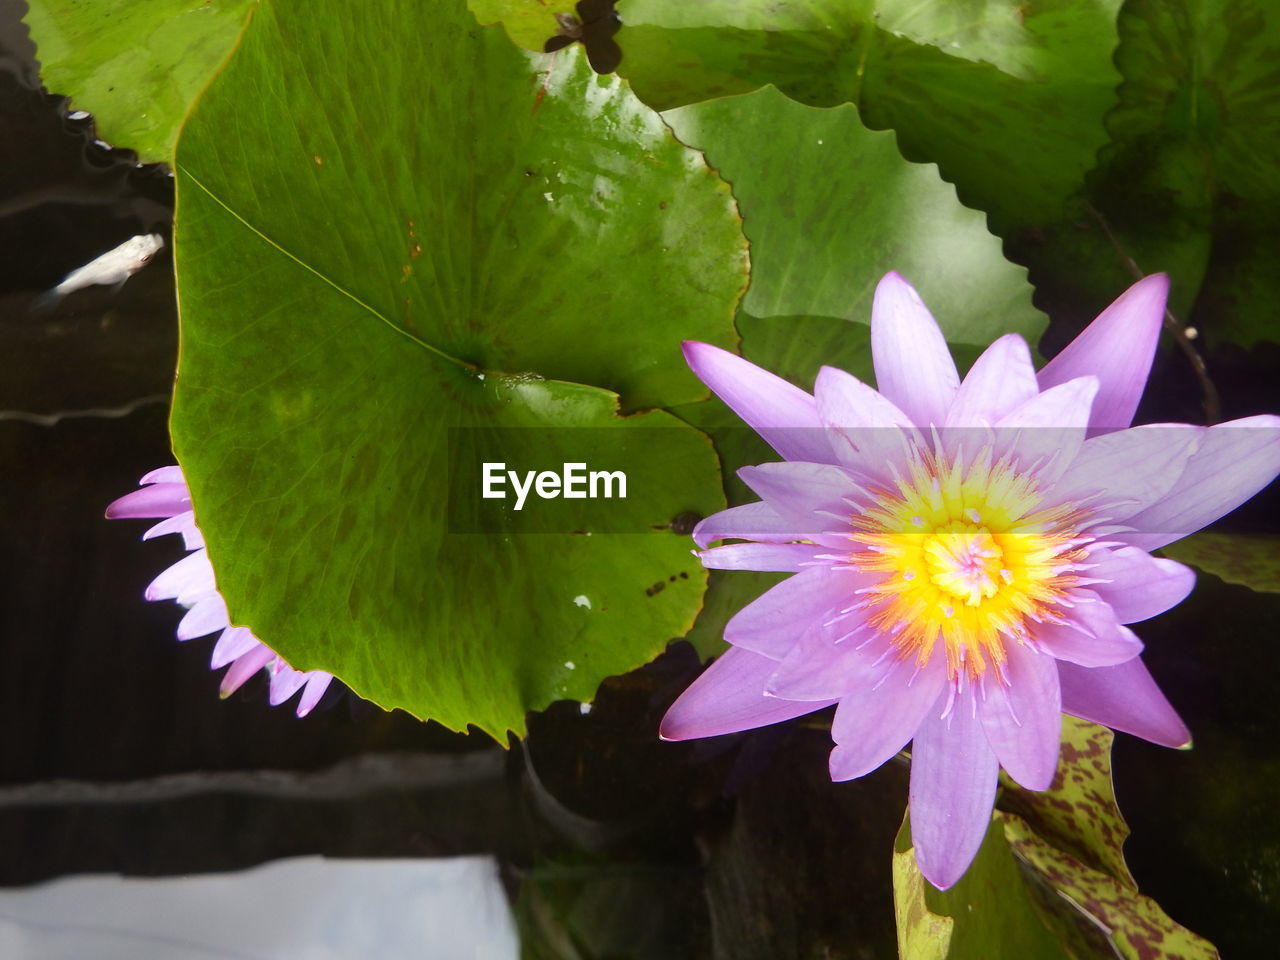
(1093, 637)
(1123, 697)
(817, 668)
(953, 788)
(1065, 407)
(285, 682)
(768, 557)
(1117, 348)
(1023, 717)
(867, 431)
(244, 668)
(771, 624)
(317, 683)
(1047, 432)
(913, 366)
(1233, 462)
(1000, 381)
(157, 500)
(874, 723)
(728, 697)
(205, 616)
(183, 523)
(815, 497)
(1141, 586)
(751, 521)
(1128, 470)
(186, 581)
(783, 414)
(234, 643)
(169, 474)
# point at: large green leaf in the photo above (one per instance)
(137, 65)
(830, 207)
(1008, 100)
(382, 251)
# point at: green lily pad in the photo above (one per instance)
(1250, 559)
(389, 254)
(1008, 99)
(137, 65)
(528, 22)
(830, 207)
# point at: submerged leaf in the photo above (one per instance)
(1250, 559)
(1190, 174)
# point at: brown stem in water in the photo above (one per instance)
(1209, 397)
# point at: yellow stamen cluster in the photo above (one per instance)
(970, 556)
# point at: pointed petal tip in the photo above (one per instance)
(1153, 282)
(1038, 783)
(697, 354)
(691, 347)
(169, 474)
(672, 729)
(318, 682)
(943, 876)
(1118, 346)
(784, 415)
(912, 362)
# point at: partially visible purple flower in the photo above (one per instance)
(191, 583)
(966, 554)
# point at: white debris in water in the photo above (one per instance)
(111, 268)
(581, 600)
(584, 708)
(570, 665)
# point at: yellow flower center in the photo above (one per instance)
(970, 555)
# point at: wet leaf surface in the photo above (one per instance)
(485, 262)
(136, 65)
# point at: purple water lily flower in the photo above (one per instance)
(966, 554)
(191, 582)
